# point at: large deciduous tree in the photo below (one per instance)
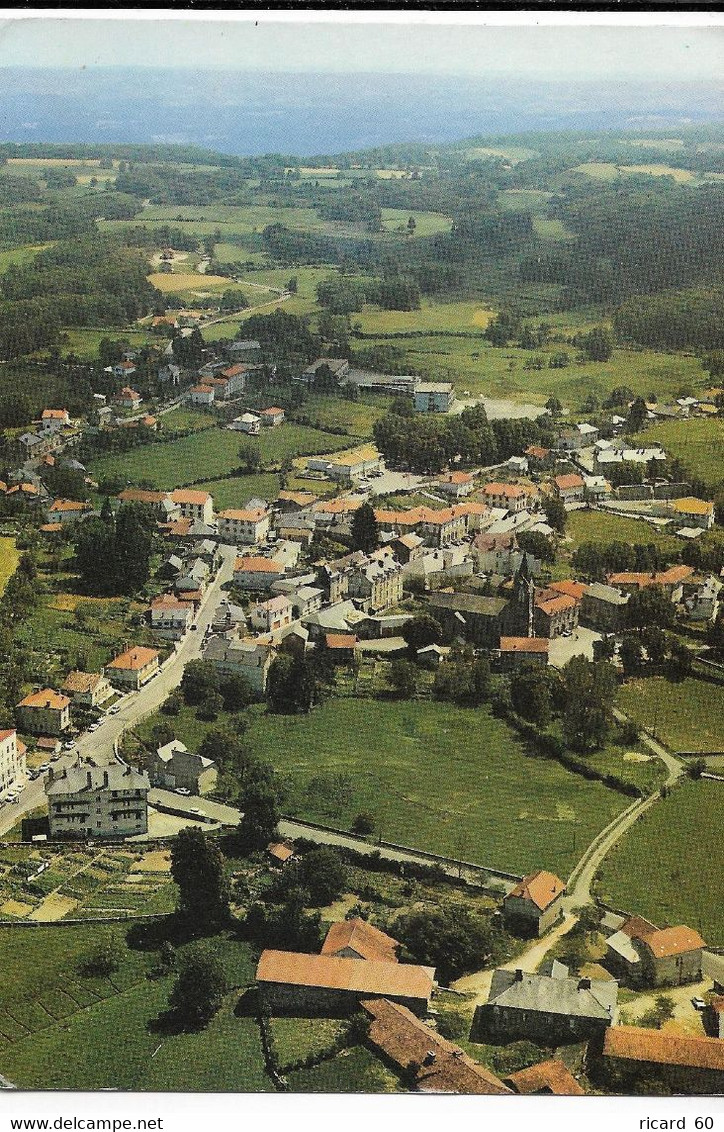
(197, 866)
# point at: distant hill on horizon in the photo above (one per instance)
(246, 113)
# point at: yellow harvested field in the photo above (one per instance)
(157, 861)
(482, 318)
(681, 175)
(68, 603)
(185, 281)
(54, 907)
(15, 908)
(55, 161)
(9, 558)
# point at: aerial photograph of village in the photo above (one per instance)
(361, 559)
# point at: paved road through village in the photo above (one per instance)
(136, 705)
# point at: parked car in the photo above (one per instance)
(69, 745)
(94, 726)
(114, 710)
(183, 791)
(43, 768)
(698, 1003)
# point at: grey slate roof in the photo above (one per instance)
(469, 603)
(601, 592)
(77, 779)
(570, 997)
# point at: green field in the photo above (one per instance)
(426, 223)
(85, 343)
(688, 716)
(468, 315)
(435, 777)
(235, 492)
(698, 443)
(210, 454)
(353, 1071)
(15, 257)
(9, 558)
(61, 1031)
(666, 866)
(602, 527)
(482, 368)
(439, 778)
(248, 220)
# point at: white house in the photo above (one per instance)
(248, 423)
(251, 659)
(201, 394)
(196, 505)
(272, 615)
(246, 525)
(12, 759)
(170, 617)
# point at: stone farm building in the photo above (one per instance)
(410, 1046)
(89, 801)
(643, 955)
(535, 904)
(293, 983)
(682, 1064)
(555, 1009)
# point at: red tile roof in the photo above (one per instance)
(673, 941)
(564, 483)
(662, 1048)
(553, 605)
(541, 887)
(403, 1038)
(371, 977)
(359, 936)
(340, 640)
(134, 659)
(255, 564)
(47, 698)
(183, 495)
(547, 1077)
(514, 491)
(569, 587)
(524, 644)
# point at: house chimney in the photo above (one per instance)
(88, 779)
(584, 984)
(105, 778)
(518, 975)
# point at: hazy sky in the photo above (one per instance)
(259, 41)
